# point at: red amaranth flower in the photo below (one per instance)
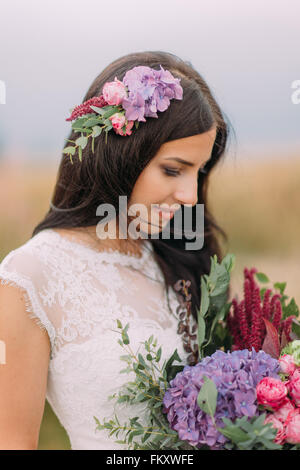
(246, 323)
(266, 304)
(84, 108)
(243, 324)
(286, 327)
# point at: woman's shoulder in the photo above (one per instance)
(26, 256)
(25, 268)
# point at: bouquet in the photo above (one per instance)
(243, 392)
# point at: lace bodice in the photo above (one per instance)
(76, 294)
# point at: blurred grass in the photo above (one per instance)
(52, 434)
(256, 203)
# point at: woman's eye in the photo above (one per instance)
(171, 172)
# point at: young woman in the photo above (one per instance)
(62, 291)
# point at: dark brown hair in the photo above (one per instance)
(116, 165)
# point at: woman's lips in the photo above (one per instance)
(164, 213)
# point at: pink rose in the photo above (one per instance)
(284, 410)
(128, 129)
(118, 120)
(296, 374)
(277, 424)
(292, 429)
(271, 392)
(114, 92)
(294, 388)
(287, 364)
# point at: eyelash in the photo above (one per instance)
(172, 172)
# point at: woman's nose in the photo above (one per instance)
(187, 196)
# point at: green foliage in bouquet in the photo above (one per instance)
(253, 434)
(213, 333)
(149, 385)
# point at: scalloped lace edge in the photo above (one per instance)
(31, 304)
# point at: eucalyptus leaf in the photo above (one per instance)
(96, 131)
(158, 355)
(80, 129)
(229, 262)
(82, 141)
(204, 298)
(79, 122)
(97, 110)
(201, 331)
(69, 150)
(222, 281)
(93, 121)
(110, 112)
(207, 397)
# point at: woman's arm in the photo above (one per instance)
(23, 379)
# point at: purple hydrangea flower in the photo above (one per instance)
(235, 375)
(149, 91)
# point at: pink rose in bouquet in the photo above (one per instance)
(118, 120)
(277, 424)
(294, 387)
(128, 130)
(271, 392)
(287, 364)
(292, 429)
(282, 413)
(114, 92)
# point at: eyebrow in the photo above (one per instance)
(185, 162)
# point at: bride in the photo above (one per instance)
(62, 291)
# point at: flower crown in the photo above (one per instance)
(143, 92)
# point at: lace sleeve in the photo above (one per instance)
(22, 270)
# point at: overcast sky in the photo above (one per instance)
(51, 51)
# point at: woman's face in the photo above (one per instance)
(168, 183)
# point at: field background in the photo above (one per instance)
(255, 202)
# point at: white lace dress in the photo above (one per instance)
(77, 293)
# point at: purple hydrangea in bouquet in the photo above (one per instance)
(195, 406)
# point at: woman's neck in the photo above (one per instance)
(127, 246)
